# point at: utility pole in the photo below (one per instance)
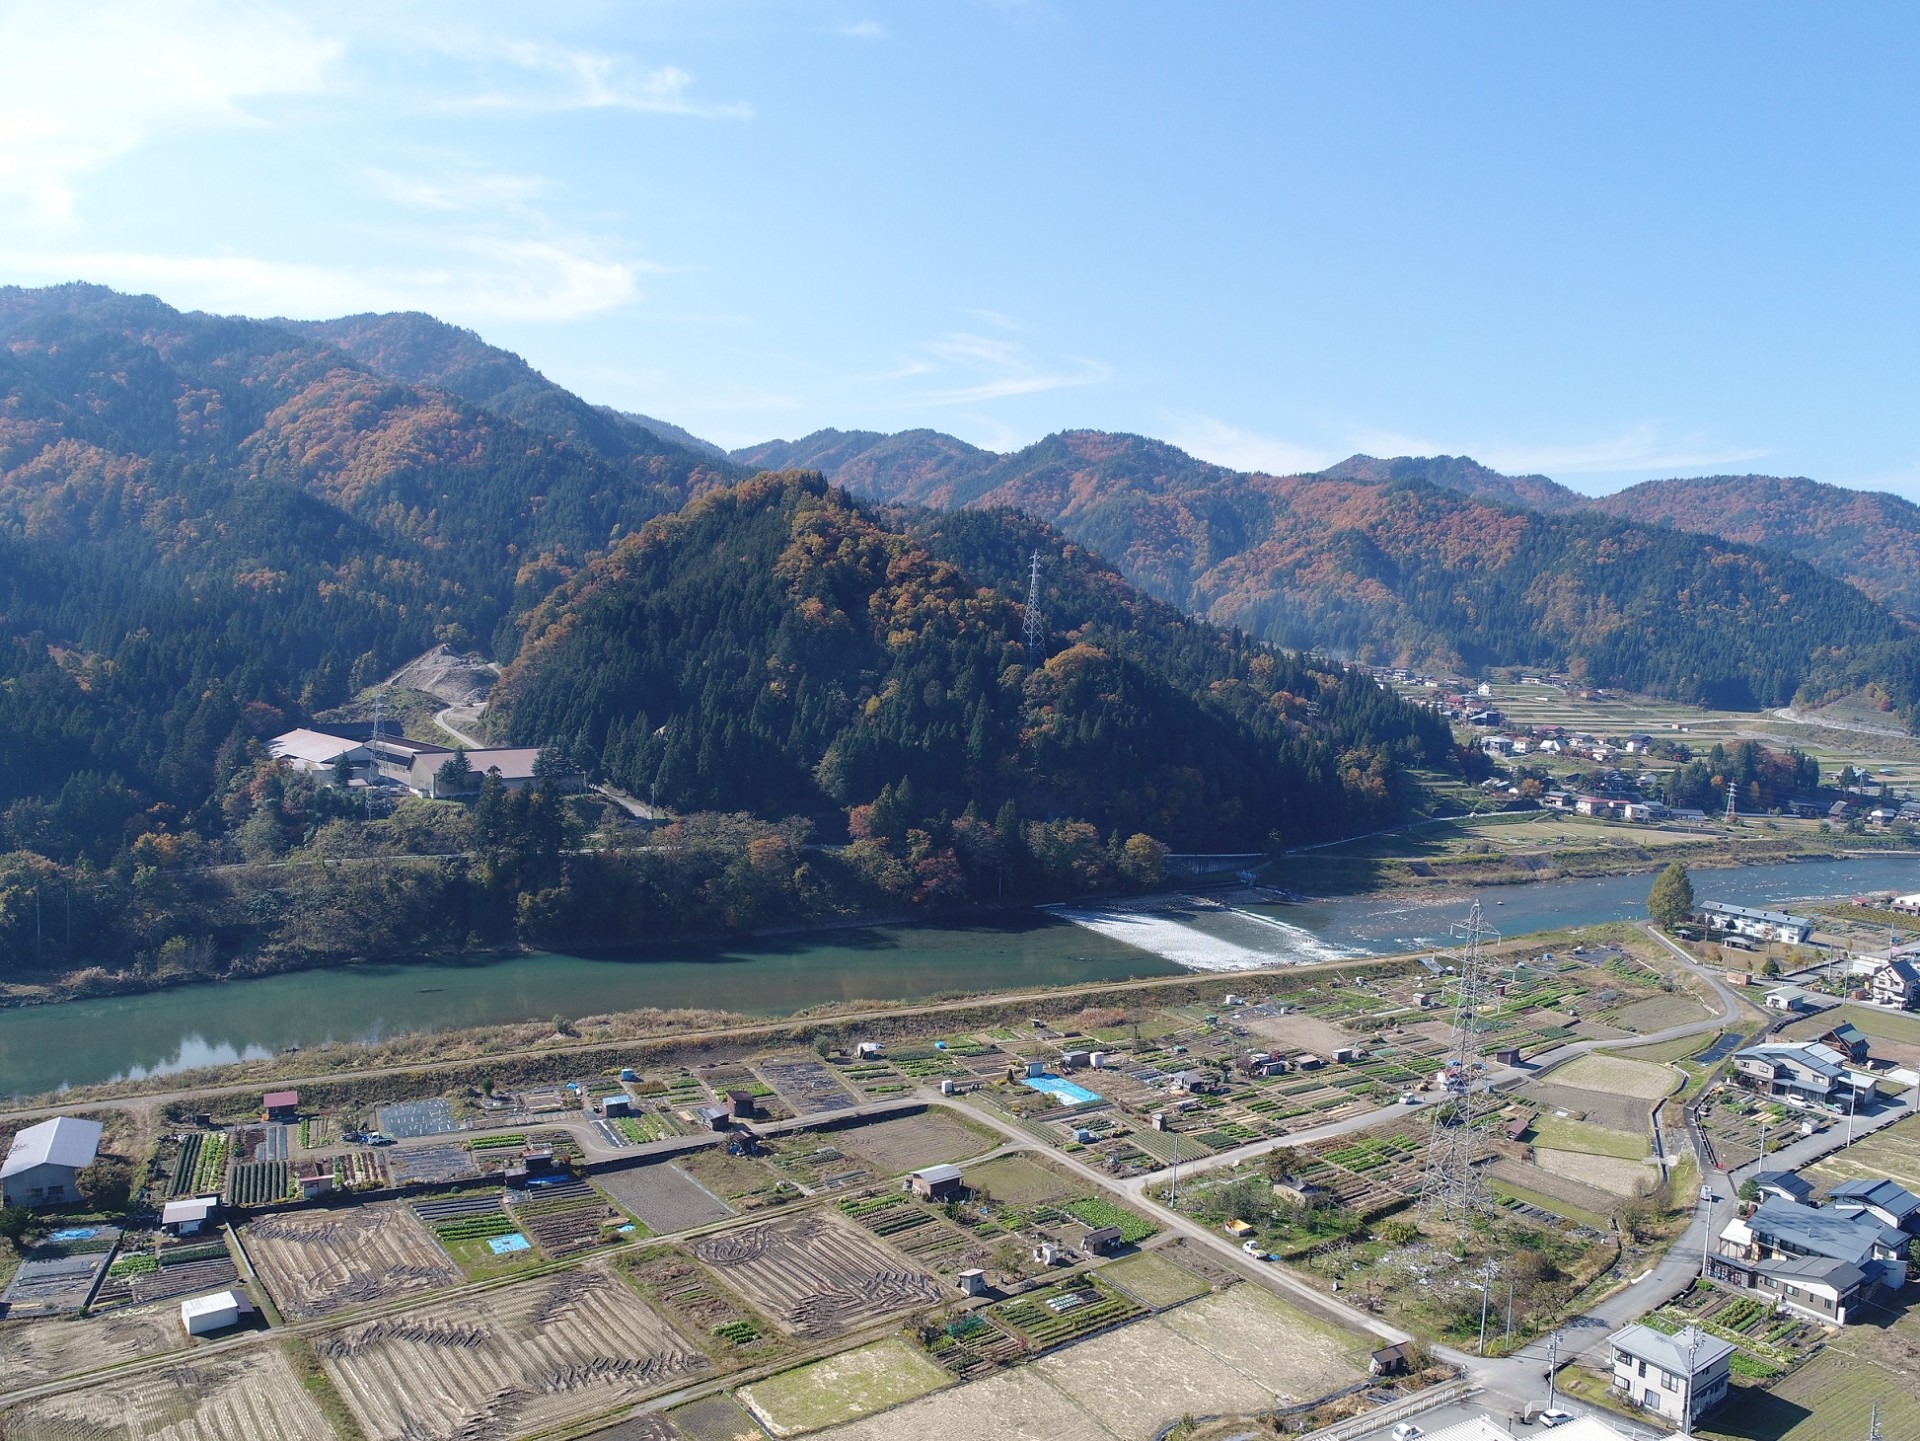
(1486, 1295)
(1553, 1366)
(1509, 1343)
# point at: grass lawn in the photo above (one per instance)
(841, 1388)
(1828, 1399)
(1558, 1134)
(1888, 1025)
(1616, 1075)
(1893, 1153)
(1680, 1050)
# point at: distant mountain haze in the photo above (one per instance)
(1435, 563)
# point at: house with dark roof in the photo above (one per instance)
(1897, 983)
(1887, 1201)
(1789, 1231)
(1805, 1071)
(1785, 1184)
(1817, 1288)
(1849, 1040)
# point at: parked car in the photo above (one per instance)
(1555, 1417)
(1407, 1431)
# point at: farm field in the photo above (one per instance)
(1612, 1174)
(1560, 1133)
(39, 1351)
(845, 1387)
(1018, 1181)
(1279, 1345)
(1016, 1405)
(816, 1275)
(250, 1396)
(529, 1356)
(315, 1263)
(728, 1177)
(907, 1143)
(1893, 1153)
(713, 1418)
(1617, 1074)
(665, 1198)
(1153, 1280)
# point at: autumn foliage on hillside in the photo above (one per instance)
(776, 648)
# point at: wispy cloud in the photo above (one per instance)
(76, 93)
(864, 30)
(1239, 449)
(482, 279)
(457, 189)
(1000, 368)
(533, 76)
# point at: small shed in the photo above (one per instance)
(281, 1106)
(936, 1183)
(1507, 1056)
(1345, 1055)
(1100, 1240)
(1388, 1361)
(1075, 1060)
(618, 1104)
(868, 1050)
(714, 1118)
(973, 1282)
(203, 1315)
(1518, 1126)
(314, 1179)
(1036, 1069)
(742, 1105)
(1307, 1062)
(189, 1215)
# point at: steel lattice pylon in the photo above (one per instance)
(1036, 626)
(1454, 1189)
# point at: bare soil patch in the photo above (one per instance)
(315, 1263)
(665, 1198)
(907, 1143)
(1017, 1405)
(715, 1418)
(1616, 1075)
(853, 1384)
(815, 1274)
(527, 1357)
(252, 1395)
(1613, 1174)
(1632, 1114)
(1301, 1033)
(1556, 1187)
(38, 1351)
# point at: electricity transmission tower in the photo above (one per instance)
(1454, 1189)
(1733, 803)
(1036, 626)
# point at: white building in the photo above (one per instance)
(189, 1215)
(316, 751)
(1679, 1377)
(1761, 925)
(204, 1314)
(43, 1161)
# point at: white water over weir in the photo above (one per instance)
(1198, 950)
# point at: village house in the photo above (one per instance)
(1849, 1040)
(1760, 925)
(1679, 1377)
(1896, 983)
(1807, 1071)
(1886, 1201)
(44, 1161)
(937, 1183)
(1788, 1230)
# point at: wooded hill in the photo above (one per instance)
(777, 648)
(1402, 562)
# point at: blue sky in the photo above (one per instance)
(1603, 242)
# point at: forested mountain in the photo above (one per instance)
(778, 648)
(1461, 473)
(210, 527)
(1866, 537)
(418, 350)
(1377, 561)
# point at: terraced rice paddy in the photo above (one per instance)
(247, 1396)
(816, 1275)
(315, 1263)
(519, 1358)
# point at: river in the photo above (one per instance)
(81, 1042)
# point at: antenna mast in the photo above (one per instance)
(1036, 625)
(1454, 1189)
